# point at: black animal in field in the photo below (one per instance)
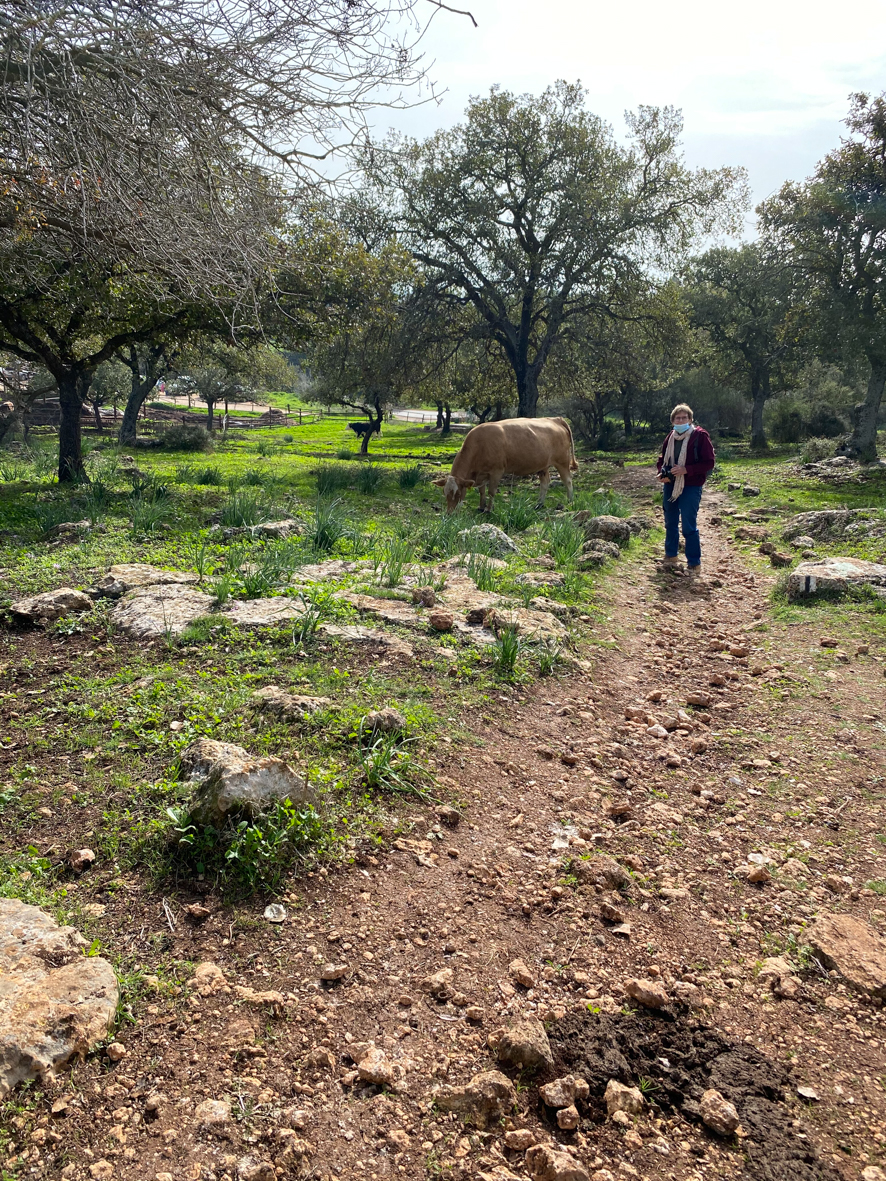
(361, 429)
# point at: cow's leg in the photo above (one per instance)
(494, 481)
(566, 476)
(481, 488)
(544, 483)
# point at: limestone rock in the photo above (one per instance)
(823, 525)
(602, 871)
(490, 538)
(250, 1168)
(385, 721)
(153, 612)
(854, 949)
(229, 781)
(51, 605)
(374, 1067)
(607, 527)
(55, 1002)
(209, 979)
(521, 973)
(278, 529)
(618, 1097)
(834, 575)
(424, 596)
(438, 984)
(718, 1113)
(441, 621)
(545, 1163)
(126, 576)
(568, 1118)
(262, 612)
(520, 1139)
(485, 1099)
(213, 1115)
(368, 637)
(71, 530)
(525, 1045)
(563, 1092)
(651, 994)
(292, 707)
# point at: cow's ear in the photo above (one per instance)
(469, 483)
(441, 483)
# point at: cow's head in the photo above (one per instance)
(455, 490)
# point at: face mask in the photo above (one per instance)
(682, 427)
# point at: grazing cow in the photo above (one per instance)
(364, 428)
(516, 447)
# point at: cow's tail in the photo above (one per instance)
(573, 466)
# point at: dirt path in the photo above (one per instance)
(786, 762)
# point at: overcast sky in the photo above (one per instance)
(764, 84)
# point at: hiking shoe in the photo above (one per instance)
(670, 562)
(693, 570)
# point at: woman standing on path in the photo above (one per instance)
(687, 455)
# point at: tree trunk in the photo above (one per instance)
(138, 395)
(627, 408)
(210, 409)
(759, 394)
(447, 419)
(439, 425)
(499, 413)
(863, 440)
(97, 416)
(72, 390)
(527, 391)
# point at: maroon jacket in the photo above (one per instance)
(700, 457)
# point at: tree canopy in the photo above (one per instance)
(533, 213)
(832, 230)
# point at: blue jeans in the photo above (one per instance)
(685, 507)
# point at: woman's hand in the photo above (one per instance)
(678, 471)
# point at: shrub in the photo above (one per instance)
(330, 525)
(344, 453)
(396, 555)
(186, 436)
(482, 571)
(506, 653)
(242, 508)
(815, 449)
(411, 476)
(369, 477)
(388, 766)
(332, 477)
(149, 513)
(265, 448)
(566, 541)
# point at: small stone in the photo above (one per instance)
(649, 993)
(623, 930)
(872, 1173)
(568, 1118)
(251, 1169)
(425, 596)
(759, 874)
(718, 1113)
(332, 972)
(612, 914)
(474, 1014)
(520, 972)
(810, 1095)
(544, 1163)
(618, 1097)
(563, 1092)
(656, 731)
(102, 1170)
(376, 1068)
(441, 621)
(439, 984)
(829, 642)
(198, 912)
(448, 815)
(213, 1115)
(854, 949)
(275, 913)
(520, 1139)
(80, 859)
(116, 1051)
(485, 1099)
(385, 721)
(525, 1045)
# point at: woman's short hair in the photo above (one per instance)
(683, 406)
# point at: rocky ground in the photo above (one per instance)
(629, 894)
